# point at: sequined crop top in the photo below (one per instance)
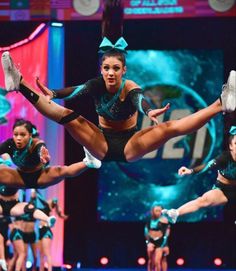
(27, 158)
(224, 163)
(108, 105)
(157, 225)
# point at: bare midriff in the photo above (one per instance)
(155, 234)
(16, 225)
(223, 180)
(120, 125)
(28, 226)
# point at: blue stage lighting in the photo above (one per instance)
(57, 24)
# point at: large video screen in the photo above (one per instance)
(189, 80)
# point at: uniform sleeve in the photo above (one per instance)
(164, 227)
(71, 92)
(76, 91)
(5, 147)
(39, 146)
(216, 163)
(141, 102)
(63, 93)
(146, 231)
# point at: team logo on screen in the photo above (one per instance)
(184, 101)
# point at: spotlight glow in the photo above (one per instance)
(180, 261)
(56, 24)
(141, 261)
(218, 261)
(104, 261)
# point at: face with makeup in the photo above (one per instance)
(21, 136)
(112, 70)
(156, 211)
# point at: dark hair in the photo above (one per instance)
(26, 123)
(114, 53)
(231, 138)
(156, 204)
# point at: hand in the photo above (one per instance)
(44, 155)
(184, 171)
(156, 112)
(46, 91)
(165, 251)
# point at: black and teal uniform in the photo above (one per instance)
(111, 107)
(16, 234)
(7, 205)
(45, 231)
(226, 166)
(29, 237)
(156, 225)
(4, 223)
(26, 160)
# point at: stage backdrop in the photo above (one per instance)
(188, 80)
(41, 54)
(70, 10)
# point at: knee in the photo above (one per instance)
(172, 126)
(59, 171)
(68, 116)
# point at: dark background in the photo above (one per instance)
(86, 239)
